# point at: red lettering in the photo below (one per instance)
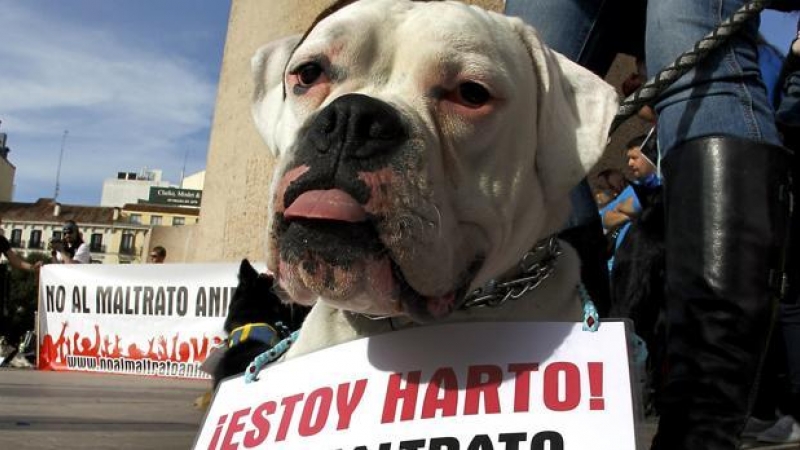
(552, 384)
(319, 400)
(235, 426)
(217, 431)
(477, 387)
(407, 395)
(288, 410)
(345, 405)
(596, 402)
(522, 384)
(257, 436)
(444, 378)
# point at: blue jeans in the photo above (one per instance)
(724, 95)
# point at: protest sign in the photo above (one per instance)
(150, 319)
(538, 386)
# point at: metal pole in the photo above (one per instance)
(60, 157)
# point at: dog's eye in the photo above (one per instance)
(473, 94)
(308, 74)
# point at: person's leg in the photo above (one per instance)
(578, 29)
(724, 95)
(726, 180)
(790, 332)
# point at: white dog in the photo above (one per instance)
(423, 149)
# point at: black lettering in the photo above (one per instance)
(102, 299)
(137, 296)
(214, 297)
(76, 299)
(480, 442)
(130, 310)
(49, 294)
(61, 298)
(183, 300)
(444, 443)
(411, 445)
(201, 303)
(147, 302)
(555, 441)
(160, 302)
(119, 301)
(512, 440)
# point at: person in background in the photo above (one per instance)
(14, 259)
(157, 255)
(70, 249)
(618, 213)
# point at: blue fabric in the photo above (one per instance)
(564, 25)
(724, 94)
(770, 62)
(626, 193)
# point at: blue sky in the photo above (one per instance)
(133, 81)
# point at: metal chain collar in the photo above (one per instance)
(536, 266)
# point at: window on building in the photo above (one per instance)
(96, 243)
(156, 220)
(16, 238)
(56, 236)
(136, 218)
(35, 240)
(177, 221)
(126, 246)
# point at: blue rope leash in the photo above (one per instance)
(591, 319)
(261, 361)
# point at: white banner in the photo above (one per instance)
(149, 319)
(450, 387)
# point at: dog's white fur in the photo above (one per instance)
(487, 182)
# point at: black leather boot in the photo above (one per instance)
(727, 206)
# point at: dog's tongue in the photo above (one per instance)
(331, 204)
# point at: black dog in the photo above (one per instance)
(257, 320)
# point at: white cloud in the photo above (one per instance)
(126, 107)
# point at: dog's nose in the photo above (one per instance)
(356, 126)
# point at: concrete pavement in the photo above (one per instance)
(67, 410)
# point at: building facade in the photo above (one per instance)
(130, 187)
(113, 237)
(158, 215)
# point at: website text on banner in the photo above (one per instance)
(446, 387)
(148, 319)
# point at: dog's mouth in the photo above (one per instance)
(330, 247)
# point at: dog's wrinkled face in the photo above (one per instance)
(422, 149)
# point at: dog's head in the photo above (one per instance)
(422, 149)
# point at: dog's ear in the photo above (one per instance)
(573, 115)
(268, 65)
(247, 274)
